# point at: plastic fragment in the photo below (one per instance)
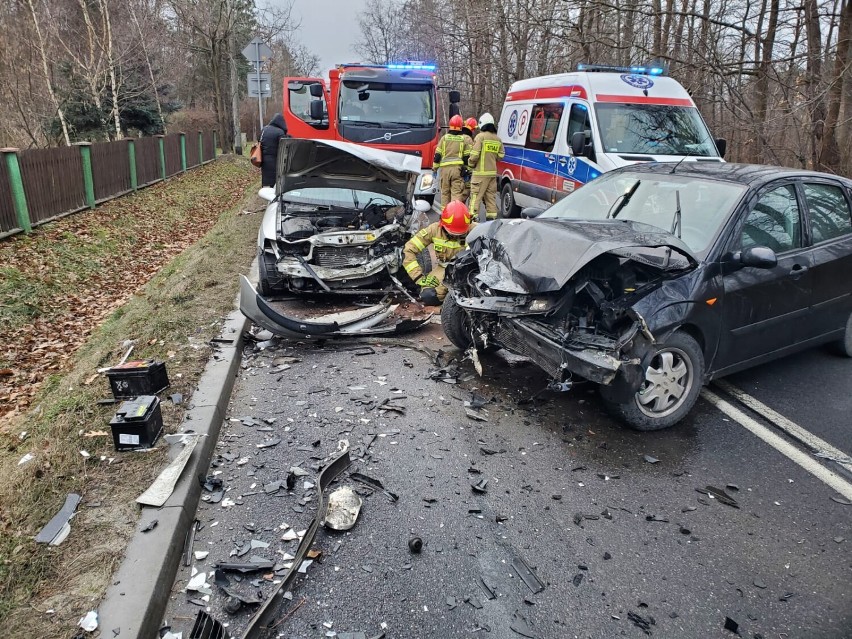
(650, 460)
(527, 575)
(519, 624)
(731, 625)
(89, 622)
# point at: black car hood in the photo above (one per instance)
(540, 256)
(342, 165)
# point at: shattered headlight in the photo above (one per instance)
(539, 305)
(426, 181)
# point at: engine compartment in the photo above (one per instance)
(302, 221)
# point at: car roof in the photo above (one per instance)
(753, 175)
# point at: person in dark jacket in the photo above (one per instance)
(269, 139)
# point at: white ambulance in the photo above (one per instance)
(560, 131)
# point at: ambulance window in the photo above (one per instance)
(578, 120)
(544, 124)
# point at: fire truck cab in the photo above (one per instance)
(392, 107)
(560, 131)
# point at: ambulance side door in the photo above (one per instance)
(540, 158)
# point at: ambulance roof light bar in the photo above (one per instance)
(638, 70)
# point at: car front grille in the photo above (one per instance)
(512, 336)
(340, 256)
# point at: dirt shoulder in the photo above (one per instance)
(158, 269)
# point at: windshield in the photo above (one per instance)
(387, 105)
(349, 198)
(652, 199)
(653, 129)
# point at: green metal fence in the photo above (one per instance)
(40, 185)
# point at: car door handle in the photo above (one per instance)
(798, 270)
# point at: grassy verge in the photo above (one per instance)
(171, 318)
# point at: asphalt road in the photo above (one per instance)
(616, 540)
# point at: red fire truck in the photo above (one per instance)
(392, 107)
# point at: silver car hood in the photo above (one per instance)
(331, 164)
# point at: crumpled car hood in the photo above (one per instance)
(333, 164)
(541, 255)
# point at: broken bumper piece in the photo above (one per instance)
(378, 319)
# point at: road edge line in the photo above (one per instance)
(809, 464)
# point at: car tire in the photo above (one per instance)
(454, 323)
(844, 345)
(508, 208)
(269, 280)
(672, 383)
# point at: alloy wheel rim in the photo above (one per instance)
(668, 380)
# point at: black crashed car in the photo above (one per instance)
(656, 278)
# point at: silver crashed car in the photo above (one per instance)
(336, 223)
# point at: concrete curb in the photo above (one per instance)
(135, 601)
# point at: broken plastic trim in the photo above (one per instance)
(262, 620)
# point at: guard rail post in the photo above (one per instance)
(200, 148)
(131, 158)
(88, 182)
(215, 142)
(16, 186)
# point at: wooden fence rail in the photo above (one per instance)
(39, 185)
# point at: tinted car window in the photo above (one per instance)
(774, 221)
(829, 211)
(544, 124)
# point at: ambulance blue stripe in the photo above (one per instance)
(542, 161)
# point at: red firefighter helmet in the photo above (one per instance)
(455, 218)
(470, 123)
(456, 123)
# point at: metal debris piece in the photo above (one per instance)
(526, 573)
(160, 491)
(520, 625)
(415, 544)
(57, 529)
(644, 624)
(650, 460)
(206, 627)
(264, 617)
(344, 504)
(480, 486)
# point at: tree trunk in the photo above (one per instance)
(47, 79)
(113, 84)
(814, 72)
(830, 158)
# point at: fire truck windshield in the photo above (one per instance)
(388, 105)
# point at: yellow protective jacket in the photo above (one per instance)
(452, 149)
(446, 247)
(487, 149)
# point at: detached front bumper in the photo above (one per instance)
(373, 320)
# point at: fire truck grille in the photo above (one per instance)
(340, 256)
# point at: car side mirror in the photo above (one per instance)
(757, 257)
(267, 193)
(317, 109)
(721, 146)
(455, 97)
(316, 90)
(531, 212)
(578, 143)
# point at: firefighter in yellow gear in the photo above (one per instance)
(451, 156)
(447, 237)
(487, 149)
(469, 129)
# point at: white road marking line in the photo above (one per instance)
(829, 478)
(795, 431)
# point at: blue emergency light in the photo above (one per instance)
(616, 69)
(412, 66)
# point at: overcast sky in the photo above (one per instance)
(329, 29)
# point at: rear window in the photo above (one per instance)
(828, 211)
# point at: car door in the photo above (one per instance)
(830, 226)
(763, 309)
(572, 172)
(540, 160)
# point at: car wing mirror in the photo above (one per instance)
(531, 212)
(757, 257)
(721, 146)
(316, 91)
(317, 109)
(578, 143)
(267, 193)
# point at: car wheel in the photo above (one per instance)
(670, 389)
(269, 280)
(508, 208)
(454, 323)
(844, 345)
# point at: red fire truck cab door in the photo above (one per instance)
(306, 109)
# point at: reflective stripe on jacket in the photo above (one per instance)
(452, 149)
(446, 247)
(487, 149)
